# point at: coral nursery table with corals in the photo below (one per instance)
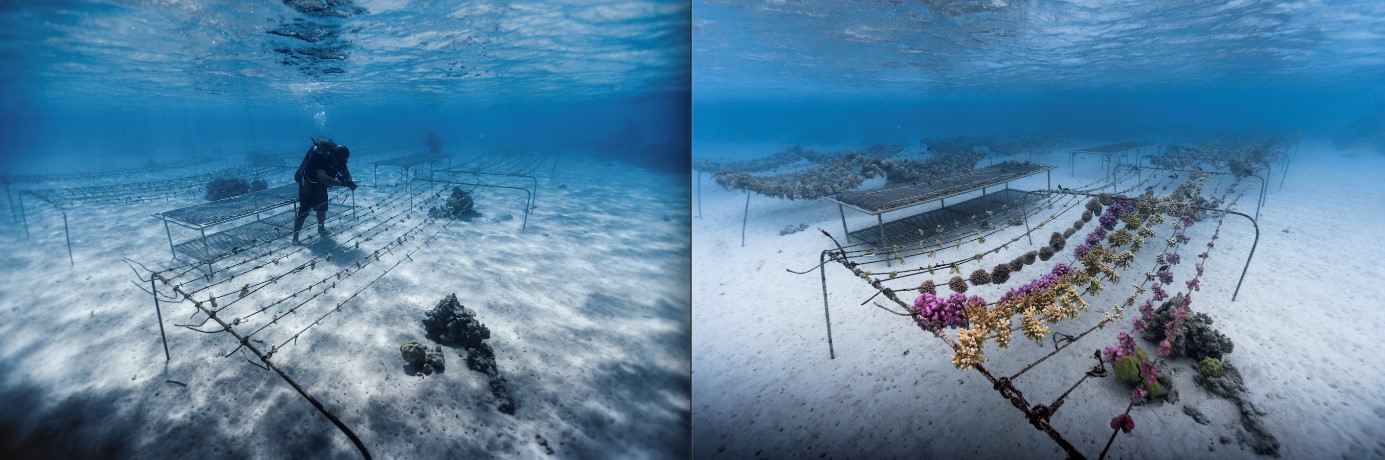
(200, 217)
(1107, 152)
(879, 201)
(1129, 260)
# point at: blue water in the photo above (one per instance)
(89, 84)
(823, 71)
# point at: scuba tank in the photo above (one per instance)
(321, 147)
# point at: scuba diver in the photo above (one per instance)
(323, 166)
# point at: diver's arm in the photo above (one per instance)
(324, 179)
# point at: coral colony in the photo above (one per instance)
(934, 311)
(1124, 226)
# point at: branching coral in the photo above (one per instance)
(1050, 298)
(969, 349)
(933, 311)
(1120, 238)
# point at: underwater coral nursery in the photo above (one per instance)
(1243, 157)
(1126, 237)
(267, 303)
(836, 174)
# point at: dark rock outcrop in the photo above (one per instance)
(1231, 387)
(1196, 337)
(458, 206)
(452, 323)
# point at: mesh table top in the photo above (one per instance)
(1113, 149)
(413, 160)
(233, 208)
(505, 164)
(955, 219)
(895, 197)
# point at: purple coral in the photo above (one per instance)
(1119, 205)
(1149, 373)
(1047, 281)
(1108, 219)
(1096, 236)
(1125, 347)
(1165, 276)
(1146, 315)
(1082, 250)
(1172, 258)
(945, 312)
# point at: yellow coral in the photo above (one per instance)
(1033, 328)
(969, 352)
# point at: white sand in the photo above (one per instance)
(1306, 328)
(587, 311)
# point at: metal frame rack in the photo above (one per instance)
(206, 215)
(879, 201)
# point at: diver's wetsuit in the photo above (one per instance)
(312, 194)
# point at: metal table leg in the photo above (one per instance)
(842, 211)
(880, 223)
(160, 314)
(22, 215)
(68, 235)
(745, 216)
(170, 240)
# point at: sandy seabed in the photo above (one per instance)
(587, 308)
(1306, 328)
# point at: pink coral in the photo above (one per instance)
(1124, 422)
(1137, 394)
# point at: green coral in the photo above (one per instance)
(1128, 370)
(413, 352)
(1154, 389)
(1209, 367)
